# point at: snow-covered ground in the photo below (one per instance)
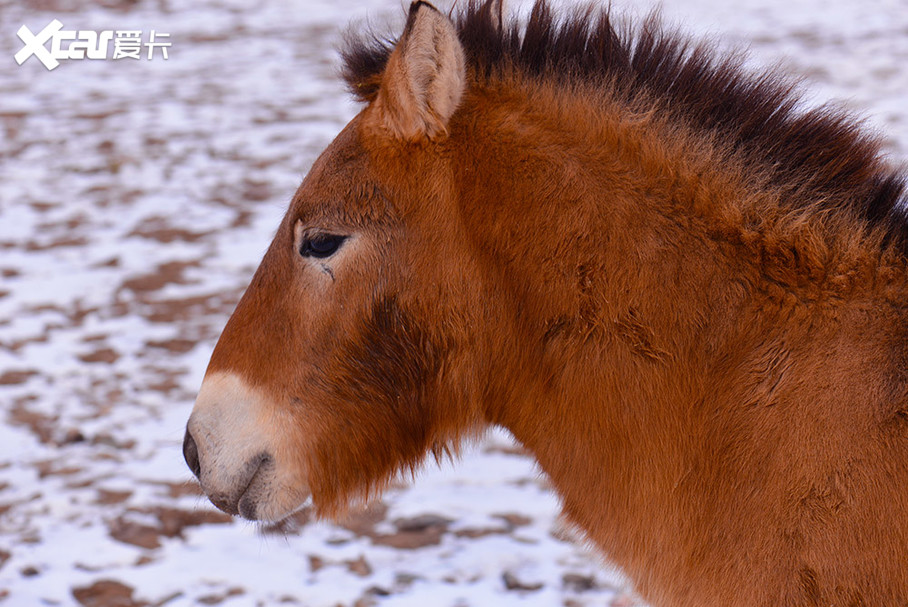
(136, 199)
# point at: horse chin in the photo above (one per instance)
(277, 511)
(260, 494)
(271, 506)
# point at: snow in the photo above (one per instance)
(136, 198)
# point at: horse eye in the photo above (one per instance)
(321, 245)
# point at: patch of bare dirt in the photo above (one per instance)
(109, 498)
(510, 523)
(107, 593)
(56, 243)
(514, 520)
(160, 277)
(176, 345)
(15, 377)
(359, 566)
(257, 191)
(217, 599)
(41, 425)
(161, 230)
(48, 468)
(170, 523)
(576, 582)
(415, 532)
(512, 582)
(176, 310)
(477, 532)
(177, 490)
(101, 355)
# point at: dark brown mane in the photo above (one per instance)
(820, 157)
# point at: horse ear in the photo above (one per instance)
(424, 78)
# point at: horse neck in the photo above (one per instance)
(628, 260)
(604, 216)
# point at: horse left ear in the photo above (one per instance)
(424, 79)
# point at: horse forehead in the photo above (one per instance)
(344, 155)
(337, 170)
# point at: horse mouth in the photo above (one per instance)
(253, 484)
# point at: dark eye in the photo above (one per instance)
(321, 245)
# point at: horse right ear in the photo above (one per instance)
(424, 79)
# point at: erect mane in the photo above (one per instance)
(821, 156)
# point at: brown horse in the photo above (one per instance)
(685, 296)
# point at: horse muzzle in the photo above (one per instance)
(230, 445)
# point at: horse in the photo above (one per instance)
(678, 288)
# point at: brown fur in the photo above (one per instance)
(686, 298)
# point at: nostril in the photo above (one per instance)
(191, 454)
